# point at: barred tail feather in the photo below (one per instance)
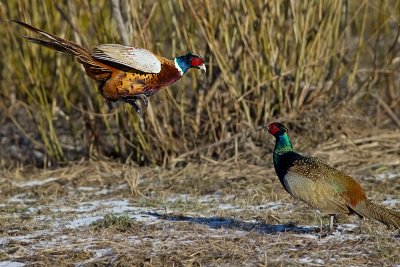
(54, 42)
(373, 211)
(93, 68)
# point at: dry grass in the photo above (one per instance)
(291, 60)
(209, 214)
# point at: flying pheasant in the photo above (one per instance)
(322, 186)
(124, 73)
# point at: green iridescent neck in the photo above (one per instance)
(282, 145)
(182, 64)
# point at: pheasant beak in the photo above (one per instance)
(203, 68)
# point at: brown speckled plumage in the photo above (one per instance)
(319, 172)
(131, 82)
(322, 186)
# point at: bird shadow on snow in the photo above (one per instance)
(227, 223)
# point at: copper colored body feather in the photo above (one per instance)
(322, 186)
(123, 73)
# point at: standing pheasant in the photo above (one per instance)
(124, 73)
(322, 186)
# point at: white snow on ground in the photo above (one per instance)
(391, 202)
(271, 206)
(229, 207)
(21, 199)
(217, 201)
(106, 205)
(83, 214)
(86, 188)
(85, 221)
(32, 183)
(341, 233)
(386, 175)
(311, 262)
(106, 191)
(88, 212)
(23, 238)
(11, 264)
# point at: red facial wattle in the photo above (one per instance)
(196, 61)
(273, 129)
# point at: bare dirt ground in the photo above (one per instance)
(212, 214)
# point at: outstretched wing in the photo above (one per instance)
(137, 58)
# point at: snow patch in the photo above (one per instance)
(271, 206)
(86, 221)
(228, 207)
(391, 202)
(386, 176)
(89, 212)
(24, 238)
(312, 262)
(21, 199)
(86, 188)
(106, 191)
(218, 200)
(32, 183)
(11, 264)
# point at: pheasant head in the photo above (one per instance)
(277, 129)
(185, 62)
(283, 143)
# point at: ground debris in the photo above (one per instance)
(197, 215)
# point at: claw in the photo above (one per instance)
(143, 98)
(133, 103)
(326, 231)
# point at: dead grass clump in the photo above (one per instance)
(120, 223)
(60, 257)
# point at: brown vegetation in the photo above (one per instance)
(326, 63)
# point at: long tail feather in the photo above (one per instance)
(373, 211)
(54, 42)
(93, 68)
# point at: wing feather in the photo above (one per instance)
(316, 193)
(137, 58)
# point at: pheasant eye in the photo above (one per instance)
(196, 61)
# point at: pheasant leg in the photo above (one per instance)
(331, 222)
(143, 98)
(133, 103)
(325, 231)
